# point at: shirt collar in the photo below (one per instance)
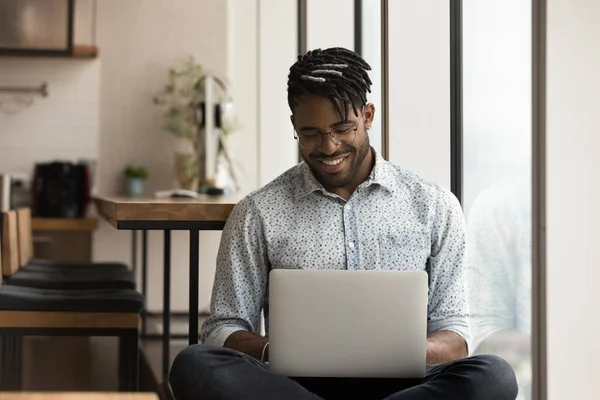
(381, 174)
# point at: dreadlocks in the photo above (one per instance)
(337, 73)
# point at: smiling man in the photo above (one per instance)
(344, 208)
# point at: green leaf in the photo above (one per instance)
(136, 171)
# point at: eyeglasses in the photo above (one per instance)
(312, 138)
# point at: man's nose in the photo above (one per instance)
(328, 146)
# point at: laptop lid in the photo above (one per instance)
(333, 323)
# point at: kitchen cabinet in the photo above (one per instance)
(47, 28)
(63, 239)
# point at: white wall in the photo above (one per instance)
(419, 85)
(63, 125)
(85, 28)
(262, 36)
(139, 40)
(242, 66)
(277, 51)
(573, 141)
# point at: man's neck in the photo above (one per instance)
(362, 175)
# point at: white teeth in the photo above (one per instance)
(334, 162)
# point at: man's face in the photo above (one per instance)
(334, 165)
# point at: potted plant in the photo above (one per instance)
(136, 175)
(180, 100)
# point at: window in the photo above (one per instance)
(497, 178)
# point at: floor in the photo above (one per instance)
(90, 364)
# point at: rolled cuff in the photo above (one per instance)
(458, 325)
(219, 335)
(484, 326)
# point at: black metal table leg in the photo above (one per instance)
(134, 250)
(144, 277)
(166, 305)
(194, 276)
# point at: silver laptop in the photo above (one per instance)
(331, 323)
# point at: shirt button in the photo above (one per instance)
(351, 245)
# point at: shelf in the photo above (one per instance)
(64, 224)
(79, 51)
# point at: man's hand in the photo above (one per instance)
(444, 347)
(248, 343)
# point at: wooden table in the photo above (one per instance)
(174, 213)
(193, 215)
(77, 396)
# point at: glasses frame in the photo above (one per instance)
(331, 135)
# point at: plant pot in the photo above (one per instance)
(135, 187)
(186, 170)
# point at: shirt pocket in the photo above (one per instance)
(404, 250)
(301, 252)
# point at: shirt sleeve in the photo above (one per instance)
(240, 286)
(448, 305)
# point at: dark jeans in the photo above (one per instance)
(206, 373)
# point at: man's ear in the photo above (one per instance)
(293, 120)
(369, 115)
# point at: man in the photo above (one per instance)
(344, 207)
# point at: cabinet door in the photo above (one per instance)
(63, 245)
(36, 26)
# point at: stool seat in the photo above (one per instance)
(18, 298)
(53, 265)
(75, 279)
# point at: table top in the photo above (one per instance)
(77, 396)
(169, 213)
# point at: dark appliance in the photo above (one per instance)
(60, 190)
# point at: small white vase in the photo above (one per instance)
(135, 187)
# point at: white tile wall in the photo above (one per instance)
(64, 125)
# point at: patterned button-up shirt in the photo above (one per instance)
(395, 220)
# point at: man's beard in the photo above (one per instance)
(357, 157)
